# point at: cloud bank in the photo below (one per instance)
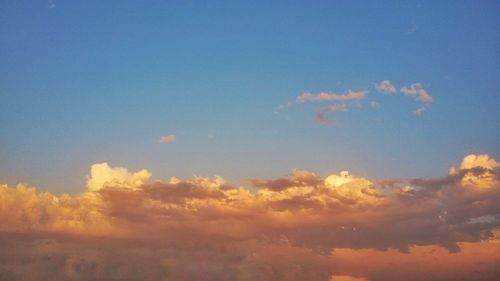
(299, 227)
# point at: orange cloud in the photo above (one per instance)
(262, 234)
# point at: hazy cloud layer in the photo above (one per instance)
(299, 227)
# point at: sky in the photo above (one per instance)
(88, 82)
(275, 105)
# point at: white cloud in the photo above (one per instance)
(102, 175)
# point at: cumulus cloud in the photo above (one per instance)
(480, 171)
(385, 87)
(102, 175)
(168, 138)
(299, 227)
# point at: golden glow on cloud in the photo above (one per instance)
(474, 179)
(329, 222)
(102, 175)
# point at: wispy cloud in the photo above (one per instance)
(321, 114)
(385, 87)
(417, 91)
(349, 96)
(341, 102)
(168, 138)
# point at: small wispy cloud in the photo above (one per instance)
(417, 91)
(320, 115)
(168, 138)
(419, 111)
(323, 96)
(385, 87)
(341, 102)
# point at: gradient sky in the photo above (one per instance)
(83, 82)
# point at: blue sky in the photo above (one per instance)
(83, 82)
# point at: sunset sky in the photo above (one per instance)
(277, 140)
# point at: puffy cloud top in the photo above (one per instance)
(478, 171)
(481, 160)
(102, 175)
(338, 180)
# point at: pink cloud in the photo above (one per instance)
(385, 87)
(349, 96)
(168, 138)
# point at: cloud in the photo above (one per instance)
(168, 138)
(320, 115)
(298, 178)
(417, 91)
(102, 175)
(299, 227)
(321, 97)
(341, 102)
(419, 111)
(479, 171)
(385, 87)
